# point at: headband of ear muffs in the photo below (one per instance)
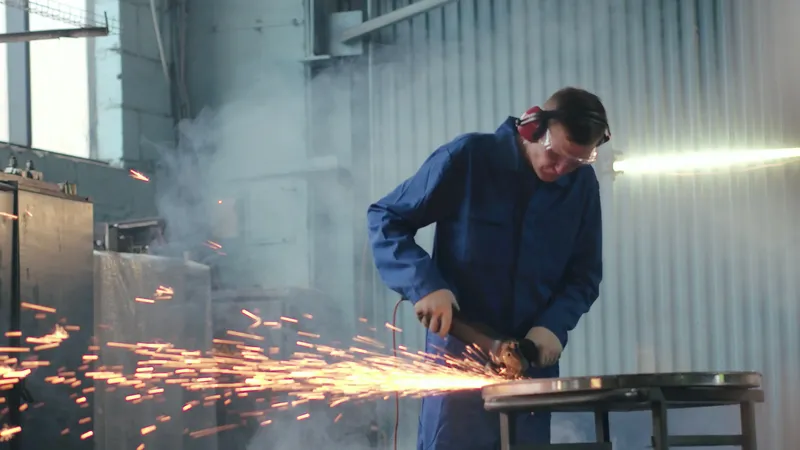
(529, 124)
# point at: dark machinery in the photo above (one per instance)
(46, 281)
(507, 357)
(654, 392)
(130, 236)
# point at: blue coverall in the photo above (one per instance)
(515, 251)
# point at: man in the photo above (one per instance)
(517, 248)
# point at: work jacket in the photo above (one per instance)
(515, 251)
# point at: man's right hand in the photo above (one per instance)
(435, 311)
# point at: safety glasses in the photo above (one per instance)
(572, 160)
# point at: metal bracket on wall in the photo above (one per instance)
(339, 23)
(354, 33)
(82, 32)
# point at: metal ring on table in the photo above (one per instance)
(741, 380)
(561, 400)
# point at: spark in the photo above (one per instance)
(58, 335)
(136, 175)
(9, 215)
(246, 335)
(8, 432)
(164, 293)
(393, 328)
(47, 309)
(210, 431)
(14, 349)
(255, 318)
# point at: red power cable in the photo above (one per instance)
(394, 352)
(359, 305)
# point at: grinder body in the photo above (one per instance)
(507, 357)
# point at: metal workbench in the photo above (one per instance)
(654, 392)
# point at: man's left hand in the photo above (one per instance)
(549, 345)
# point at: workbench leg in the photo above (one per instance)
(507, 430)
(660, 434)
(748, 419)
(602, 429)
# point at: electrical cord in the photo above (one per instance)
(360, 297)
(394, 353)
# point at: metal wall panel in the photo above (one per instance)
(55, 271)
(700, 270)
(184, 321)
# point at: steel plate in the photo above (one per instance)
(636, 381)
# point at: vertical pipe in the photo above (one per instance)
(26, 26)
(91, 71)
(15, 323)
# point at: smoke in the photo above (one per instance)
(184, 194)
(283, 158)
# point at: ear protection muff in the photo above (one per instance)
(529, 125)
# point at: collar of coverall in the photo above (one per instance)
(507, 136)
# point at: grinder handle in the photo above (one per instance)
(472, 333)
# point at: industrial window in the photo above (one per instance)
(60, 87)
(4, 108)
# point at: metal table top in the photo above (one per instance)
(532, 387)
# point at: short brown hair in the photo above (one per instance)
(581, 113)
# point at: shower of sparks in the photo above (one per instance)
(138, 175)
(242, 365)
(314, 373)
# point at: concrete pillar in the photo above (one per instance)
(18, 80)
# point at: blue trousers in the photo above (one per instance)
(459, 421)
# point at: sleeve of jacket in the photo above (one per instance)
(430, 195)
(584, 273)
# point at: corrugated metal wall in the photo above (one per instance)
(700, 270)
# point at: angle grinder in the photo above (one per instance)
(510, 358)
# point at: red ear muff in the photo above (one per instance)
(528, 123)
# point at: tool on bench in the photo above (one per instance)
(510, 358)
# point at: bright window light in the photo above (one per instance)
(706, 161)
(60, 88)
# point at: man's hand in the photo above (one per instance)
(435, 311)
(550, 347)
